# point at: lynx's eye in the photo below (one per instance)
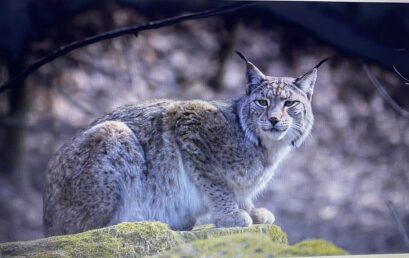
(290, 103)
(262, 102)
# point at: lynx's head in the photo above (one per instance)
(277, 108)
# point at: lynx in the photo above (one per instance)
(173, 161)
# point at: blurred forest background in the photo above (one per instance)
(335, 186)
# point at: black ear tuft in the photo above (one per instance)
(253, 74)
(321, 62)
(241, 56)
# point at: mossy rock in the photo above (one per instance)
(149, 238)
(315, 247)
(251, 245)
(210, 231)
(122, 240)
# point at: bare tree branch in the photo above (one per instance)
(398, 220)
(117, 33)
(401, 76)
(400, 49)
(384, 93)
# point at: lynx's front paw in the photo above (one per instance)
(262, 216)
(239, 218)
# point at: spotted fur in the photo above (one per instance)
(173, 161)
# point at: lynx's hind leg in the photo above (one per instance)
(85, 185)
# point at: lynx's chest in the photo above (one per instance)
(262, 168)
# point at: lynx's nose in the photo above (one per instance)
(274, 120)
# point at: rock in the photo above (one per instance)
(210, 231)
(154, 238)
(251, 245)
(122, 240)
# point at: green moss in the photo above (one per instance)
(242, 245)
(251, 245)
(315, 247)
(153, 238)
(210, 231)
(126, 239)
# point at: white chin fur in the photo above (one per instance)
(273, 136)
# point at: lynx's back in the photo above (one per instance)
(128, 167)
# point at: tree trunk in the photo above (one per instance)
(12, 151)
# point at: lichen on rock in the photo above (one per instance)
(153, 238)
(125, 239)
(315, 247)
(251, 244)
(210, 231)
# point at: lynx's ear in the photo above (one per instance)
(254, 75)
(306, 82)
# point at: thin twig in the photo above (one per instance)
(398, 220)
(385, 94)
(401, 76)
(117, 33)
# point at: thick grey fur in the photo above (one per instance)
(173, 161)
